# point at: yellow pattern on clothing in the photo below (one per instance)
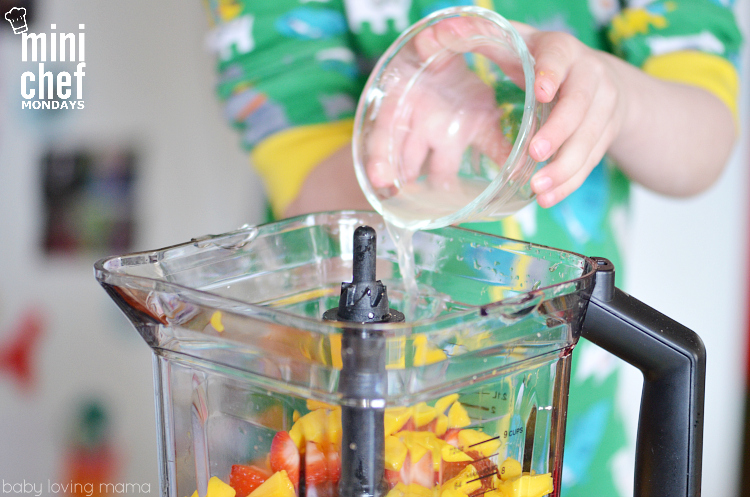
(710, 72)
(284, 159)
(632, 22)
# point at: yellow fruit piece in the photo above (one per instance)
(396, 418)
(334, 426)
(296, 415)
(457, 416)
(444, 403)
(527, 486)
(494, 493)
(397, 491)
(417, 450)
(423, 414)
(450, 453)
(195, 494)
(442, 425)
(416, 490)
(296, 433)
(476, 440)
(466, 482)
(509, 469)
(451, 492)
(217, 488)
(278, 485)
(426, 353)
(395, 453)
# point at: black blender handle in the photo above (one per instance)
(672, 358)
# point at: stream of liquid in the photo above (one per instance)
(403, 240)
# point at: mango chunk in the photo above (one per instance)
(395, 453)
(457, 416)
(527, 486)
(396, 418)
(423, 414)
(441, 426)
(278, 485)
(217, 488)
(444, 403)
(509, 469)
(481, 442)
(450, 453)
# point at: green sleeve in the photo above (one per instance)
(283, 64)
(666, 26)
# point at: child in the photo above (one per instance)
(664, 110)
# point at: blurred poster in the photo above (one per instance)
(88, 200)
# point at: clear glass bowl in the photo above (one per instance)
(443, 126)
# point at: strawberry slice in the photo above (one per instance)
(485, 468)
(244, 478)
(334, 464)
(451, 436)
(284, 455)
(316, 465)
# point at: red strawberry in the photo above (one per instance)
(316, 465)
(422, 472)
(451, 436)
(334, 464)
(284, 455)
(244, 479)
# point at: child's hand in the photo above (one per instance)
(585, 121)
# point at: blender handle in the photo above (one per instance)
(672, 359)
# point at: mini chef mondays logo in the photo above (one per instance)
(55, 63)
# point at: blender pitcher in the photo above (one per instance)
(257, 394)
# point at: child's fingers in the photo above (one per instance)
(595, 131)
(558, 192)
(555, 54)
(574, 102)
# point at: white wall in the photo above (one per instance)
(149, 82)
(689, 260)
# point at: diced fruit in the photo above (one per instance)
(451, 437)
(284, 455)
(510, 468)
(217, 488)
(441, 425)
(316, 465)
(424, 414)
(278, 485)
(395, 453)
(244, 478)
(296, 433)
(314, 425)
(527, 486)
(334, 464)
(457, 416)
(334, 426)
(481, 442)
(396, 418)
(444, 403)
(195, 494)
(415, 490)
(422, 473)
(450, 453)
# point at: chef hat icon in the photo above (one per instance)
(17, 19)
